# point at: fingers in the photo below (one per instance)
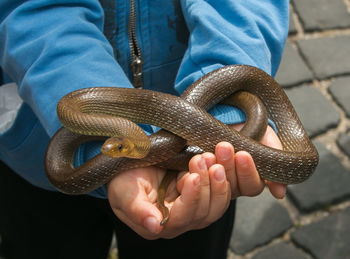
(271, 139)
(220, 193)
(249, 181)
(198, 164)
(224, 152)
(240, 171)
(249, 184)
(278, 190)
(132, 198)
(199, 205)
(205, 192)
(213, 207)
(133, 194)
(210, 159)
(142, 216)
(185, 206)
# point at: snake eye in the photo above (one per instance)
(115, 147)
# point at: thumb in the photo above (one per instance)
(146, 223)
(144, 213)
(133, 205)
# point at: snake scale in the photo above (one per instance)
(97, 113)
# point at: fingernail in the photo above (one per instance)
(202, 164)
(224, 153)
(196, 181)
(220, 175)
(151, 224)
(242, 161)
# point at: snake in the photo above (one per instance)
(113, 115)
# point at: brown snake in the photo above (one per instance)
(184, 120)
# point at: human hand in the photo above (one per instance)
(241, 179)
(196, 200)
(241, 171)
(203, 198)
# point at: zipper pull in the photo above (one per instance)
(136, 67)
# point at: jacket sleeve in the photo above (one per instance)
(50, 48)
(227, 32)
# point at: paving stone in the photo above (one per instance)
(322, 14)
(292, 28)
(329, 184)
(343, 142)
(327, 238)
(340, 89)
(327, 56)
(258, 220)
(292, 70)
(315, 112)
(281, 251)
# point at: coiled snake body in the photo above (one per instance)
(184, 120)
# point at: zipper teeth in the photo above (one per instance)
(134, 47)
(136, 61)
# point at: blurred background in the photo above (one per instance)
(314, 220)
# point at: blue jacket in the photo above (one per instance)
(52, 47)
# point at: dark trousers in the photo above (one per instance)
(36, 224)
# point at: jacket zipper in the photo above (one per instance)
(136, 61)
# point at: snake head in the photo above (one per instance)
(118, 147)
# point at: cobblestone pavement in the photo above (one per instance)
(314, 220)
